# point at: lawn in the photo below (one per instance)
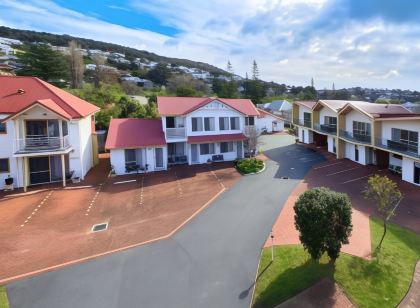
(380, 282)
(4, 303)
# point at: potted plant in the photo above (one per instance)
(9, 180)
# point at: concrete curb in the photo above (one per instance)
(169, 235)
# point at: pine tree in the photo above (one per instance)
(229, 67)
(312, 82)
(255, 71)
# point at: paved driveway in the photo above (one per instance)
(212, 262)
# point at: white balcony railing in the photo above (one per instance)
(41, 144)
(175, 133)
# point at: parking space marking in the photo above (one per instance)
(92, 202)
(141, 191)
(338, 172)
(218, 179)
(325, 166)
(354, 180)
(123, 182)
(178, 186)
(35, 210)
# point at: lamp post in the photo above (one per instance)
(272, 245)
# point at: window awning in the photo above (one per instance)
(216, 138)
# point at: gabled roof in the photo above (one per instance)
(334, 105)
(307, 104)
(263, 114)
(175, 106)
(373, 110)
(18, 93)
(134, 133)
(45, 103)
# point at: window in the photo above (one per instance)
(209, 124)
(170, 122)
(234, 123)
(249, 121)
(4, 165)
(206, 148)
(3, 129)
(224, 123)
(226, 147)
(197, 124)
(407, 137)
(65, 128)
(130, 156)
(332, 121)
(361, 128)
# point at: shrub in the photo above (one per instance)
(249, 165)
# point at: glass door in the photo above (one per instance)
(159, 158)
(39, 170)
(239, 149)
(194, 153)
(417, 173)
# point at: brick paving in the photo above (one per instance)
(351, 178)
(142, 208)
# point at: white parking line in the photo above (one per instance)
(123, 182)
(328, 165)
(343, 171)
(36, 209)
(362, 177)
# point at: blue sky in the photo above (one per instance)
(370, 43)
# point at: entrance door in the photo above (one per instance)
(239, 149)
(39, 170)
(194, 153)
(356, 153)
(417, 173)
(159, 158)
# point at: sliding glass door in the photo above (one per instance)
(39, 170)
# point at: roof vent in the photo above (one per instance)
(20, 91)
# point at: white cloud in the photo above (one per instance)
(291, 40)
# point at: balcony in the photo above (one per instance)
(326, 128)
(398, 146)
(175, 133)
(351, 136)
(302, 122)
(34, 144)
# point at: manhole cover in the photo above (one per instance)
(100, 227)
(285, 177)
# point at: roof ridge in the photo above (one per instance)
(42, 82)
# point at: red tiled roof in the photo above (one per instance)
(173, 106)
(264, 113)
(34, 89)
(216, 138)
(134, 133)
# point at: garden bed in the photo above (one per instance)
(250, 166)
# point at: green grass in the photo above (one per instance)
(4, 302)
(380, 282)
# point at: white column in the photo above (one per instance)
(63, 169)
(25, 174)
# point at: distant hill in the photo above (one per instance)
(28, 36)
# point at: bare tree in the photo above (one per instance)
(252, 142)
(77, 67)
(99, 61)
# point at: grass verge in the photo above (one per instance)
(4, 302)
(380, 282)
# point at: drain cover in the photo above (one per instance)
(100, 227)
(285, 177)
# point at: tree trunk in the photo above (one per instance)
(383, 236)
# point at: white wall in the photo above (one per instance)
(229, 156)
(350, 153)
(267, 123)
(326, 112)
(306, 137)
(394, 161)
(356, 116)
(117, 158)
(408, 170)
(86, 155)
(330, 141)
(302, 110)
(6, 151)
(411, 125)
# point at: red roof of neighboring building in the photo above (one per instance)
(134, 133)
(34, 90)
(263, 113)
(173, 106)
(216, 138)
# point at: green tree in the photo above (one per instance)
(41, 61)
(387, 197)
(254, 88)
(159, 74)
(323, 219)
